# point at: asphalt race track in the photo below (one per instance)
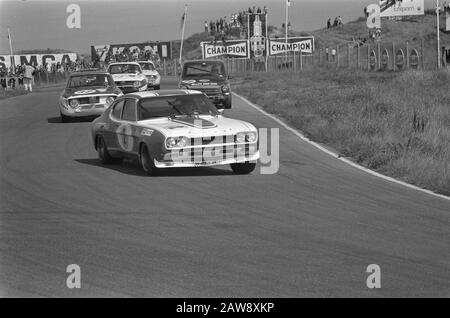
(309, 230)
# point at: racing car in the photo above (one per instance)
(209, 77)
(87, 93)
(153, 77)
(173, 128)
(128, 76)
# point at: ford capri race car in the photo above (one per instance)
(173, 128)
(128, 76)
(87, 93)
(153, 77)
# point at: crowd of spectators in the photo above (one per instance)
(337, 22)
(13, 76)
(236, 22)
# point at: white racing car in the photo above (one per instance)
(153, 77)
(174, 128)
(128, 76)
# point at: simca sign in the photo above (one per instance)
(296, 44)
(37, 59)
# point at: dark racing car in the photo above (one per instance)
(209, 77)
(87, 93)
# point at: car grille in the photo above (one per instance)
(125, 83)
(211, 140)
(88, 100)
(208, 90)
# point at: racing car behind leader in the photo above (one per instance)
(87, 93)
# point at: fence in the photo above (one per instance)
(379, 56)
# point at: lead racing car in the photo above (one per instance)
(173, 128)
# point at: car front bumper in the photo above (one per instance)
(83, 110)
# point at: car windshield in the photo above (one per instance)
(147, 66)
(90, 80)
(124, 68)
(181, 105)
(204, 69)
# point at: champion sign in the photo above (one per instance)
(297, 44)
(237, 49)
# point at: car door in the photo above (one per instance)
(126, 131)
(114, 122)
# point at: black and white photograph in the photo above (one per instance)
(226, 155)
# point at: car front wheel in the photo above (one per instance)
(64, 118)
(147, 162)
(243, 168)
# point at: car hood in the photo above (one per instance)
(149, 72)
(86, 91)
(197, 127)
(128, 77)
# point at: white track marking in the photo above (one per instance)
(337, 156)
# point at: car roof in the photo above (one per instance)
(77, 73)
(119, 63)
(206, 61)
(163, 92)
(145, 62)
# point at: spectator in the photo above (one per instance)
(329, 23)
(206, 26)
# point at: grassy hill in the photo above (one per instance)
(413, 29)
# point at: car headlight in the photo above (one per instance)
(176, 142)
(109, 101)
(137, 84)
(245, 137)
(63, 102)
(74, 103)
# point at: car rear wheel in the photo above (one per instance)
(147, 162)
(156, 87)
(102, 151)
(243, 168)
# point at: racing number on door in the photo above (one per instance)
(125, 137)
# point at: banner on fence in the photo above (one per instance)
(294, 44)
(231, 49)
(37, 59)
(398, 8)
(162, 49)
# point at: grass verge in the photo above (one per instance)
(11, 92)
(397, 124)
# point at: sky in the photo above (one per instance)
(41, 24)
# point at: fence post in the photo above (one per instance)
(348, 56)
(358, 57)
(407, 54)
(368, 57)
(379, 55)
(393, 56)
(421, 54)
(337, 55)
(320, 57)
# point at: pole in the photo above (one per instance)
(11, 48)
(438, 39)
(182, 31)
(286, 24)
(267, 39)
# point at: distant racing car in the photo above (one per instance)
(128, 76)
(174, 128)
(209, 77)
(87, 93)
(153, 77)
